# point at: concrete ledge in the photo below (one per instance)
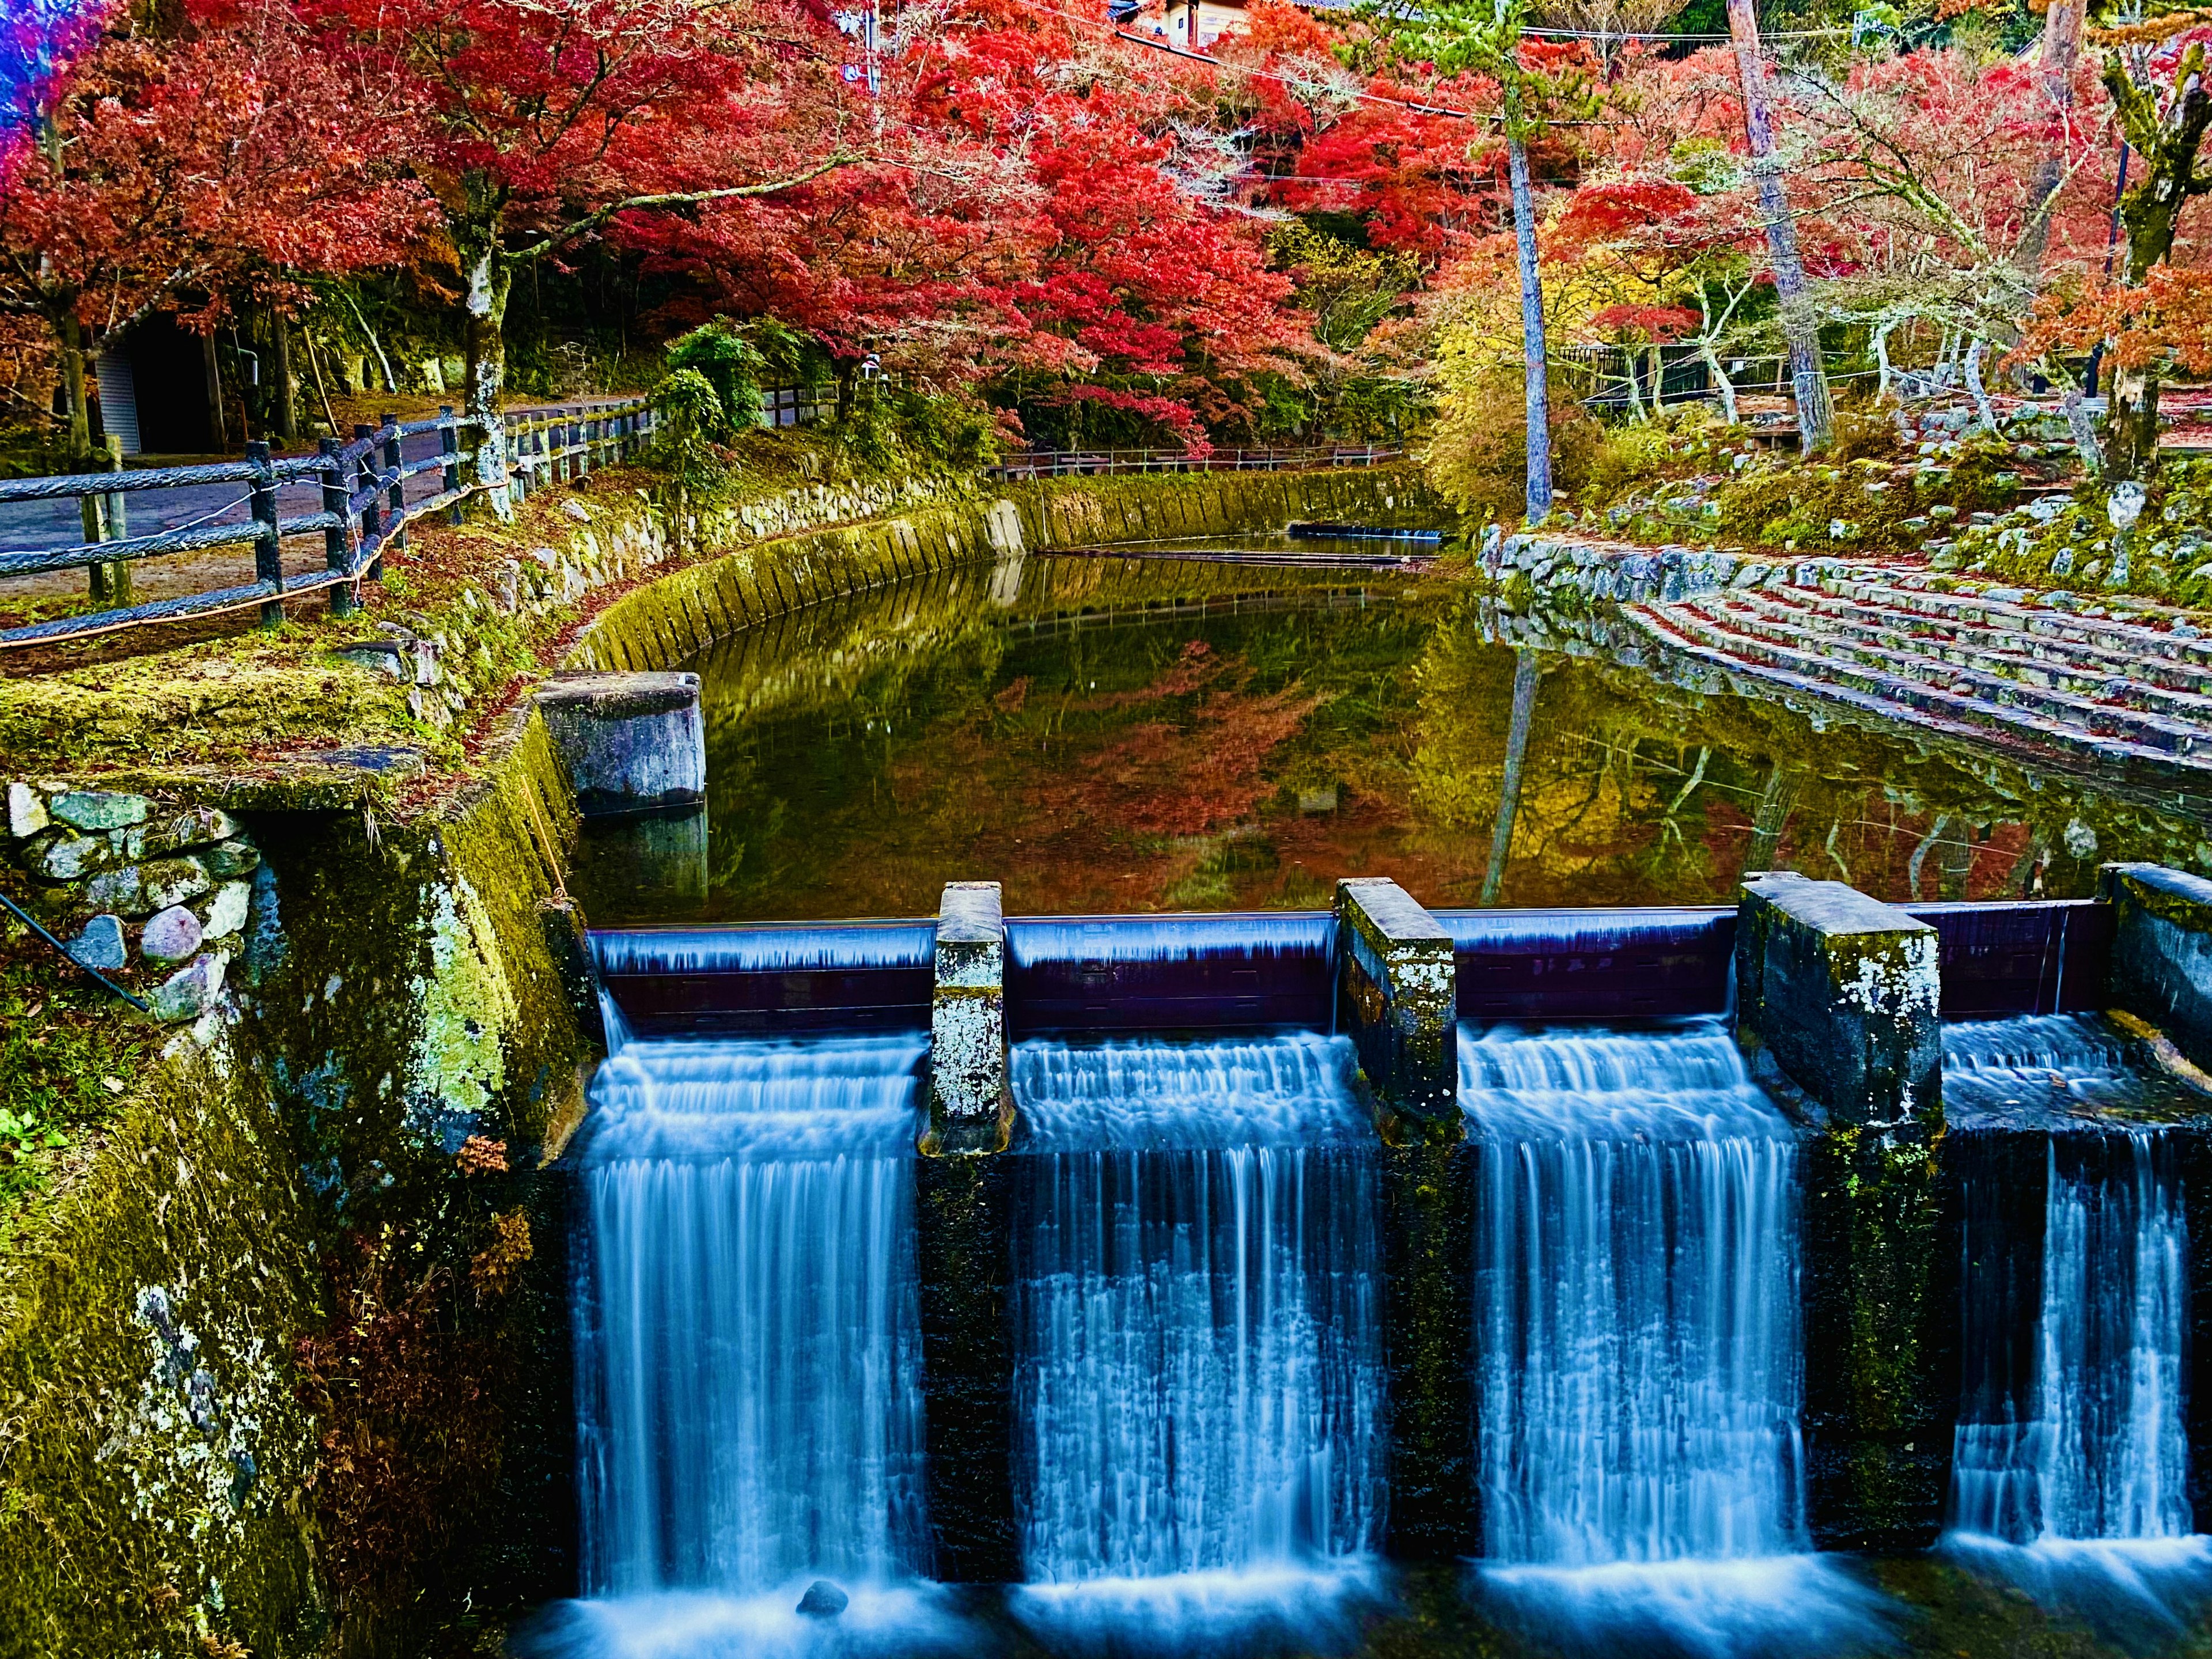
(1841, 991)
(972, 1101)
(2161, 968)
(630, 742)
(1397, 999)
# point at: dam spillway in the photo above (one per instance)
(1205, 1231)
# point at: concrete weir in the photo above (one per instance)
(963, 1197)
(630, 743)
(1843, 991)
(1397, 999)
(1837, 998)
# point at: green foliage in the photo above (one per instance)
(739, 360)
(717, 356)
(68, 1049)
(692, 415)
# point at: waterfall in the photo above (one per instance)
(2090, 1442)
(747, 1323)
(2070, 1460)
(1197, 1311)
(1637, 1297)
(1638, 1355)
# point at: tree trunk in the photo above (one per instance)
(1816, 420)
(2150, 212)
(2132, 425)
(1525, 674)
(287, 411)
(1535, 357)
(218, 427)
(2062, 51)
(70, 332)
(1720, 379)
(484, 340)
(1976, 390)
(1776, 802)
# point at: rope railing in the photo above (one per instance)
(1058, 463)
(365, 509)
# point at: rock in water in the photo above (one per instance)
(822, 1600)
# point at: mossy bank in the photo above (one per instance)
(283, 1364)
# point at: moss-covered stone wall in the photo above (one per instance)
(277, 1326)
(679, 616)
(154, 1458)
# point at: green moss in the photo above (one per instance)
(1877, 1412)
(152, 1447)
(68, 1049)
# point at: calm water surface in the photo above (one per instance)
(1141, 734)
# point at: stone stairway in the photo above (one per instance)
(2124, 686)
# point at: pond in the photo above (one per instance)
(1152, 733)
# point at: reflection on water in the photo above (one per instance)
(1126, 734)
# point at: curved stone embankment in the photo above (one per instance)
(2119, 686)
(681, 615)
(318, 1152)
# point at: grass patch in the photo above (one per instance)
(68, 1053)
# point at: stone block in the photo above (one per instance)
(227, 911)
(72, 858)
(170, 832)
(174, 881)
(27, 811)
(122, 890)
(97, 810)
(1397, 999)
(228, 859)
(630, 742)
(170, 935)
(972, 1101)
(2161, 967)
(101, 945)
(1841, 992)
(192, 990)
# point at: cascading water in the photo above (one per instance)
(1199, 1391)
(1638, 1353)
(748, 1347)
(2070, 1462)
(1637, 1265)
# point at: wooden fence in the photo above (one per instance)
(364, 511)
(1052, 463)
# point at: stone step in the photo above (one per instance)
(2044, 621)
(1968, 630)
(2178, 736)
(1959, 713)
(2102, 679)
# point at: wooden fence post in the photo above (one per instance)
(372, 517)
(268, 548)
(449, 447)
(336, 557)
(398, 497)
(104, 521)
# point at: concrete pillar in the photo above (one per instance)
(1428, 1309)
(2161, 967)
(1841, 992)
(630, 742)
(1397, 999)
(964, 1243)
(971, 1105)
(1836, 1000)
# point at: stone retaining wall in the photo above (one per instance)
(676, 618)
(397, 991)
